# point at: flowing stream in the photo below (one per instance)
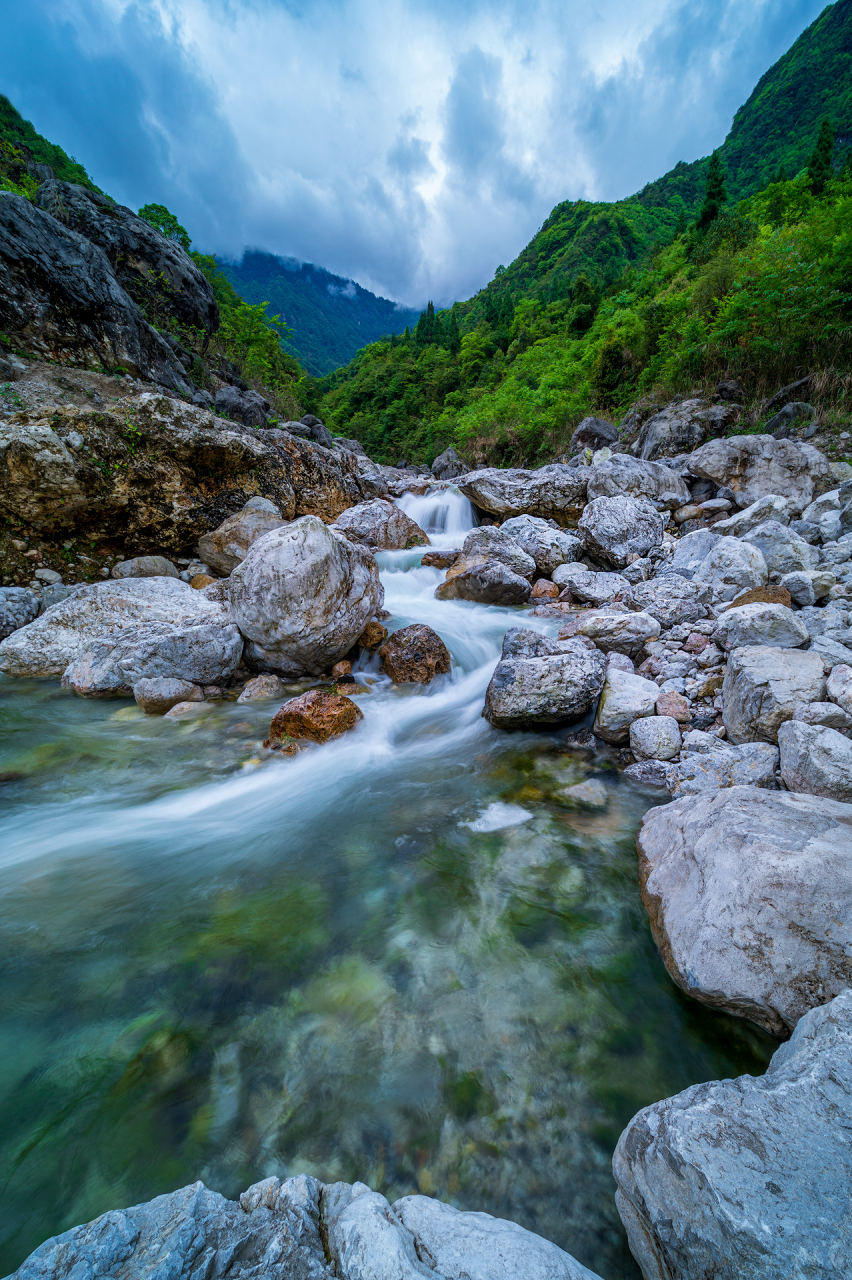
(394, 958)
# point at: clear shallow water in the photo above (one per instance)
(394, 958)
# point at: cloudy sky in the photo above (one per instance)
(409, 144)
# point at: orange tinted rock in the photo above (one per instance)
(373, 635)
(317, 715)
(415, 655)
(440, 559)
(674, 705)
(544, 589)
(341, 669)
(762, 595)
(202, 580)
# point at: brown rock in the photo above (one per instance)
(543, 589)
(373, 636)
(762, 595)
(341, 669)
(415, 655)
(674, 705)
(440, 559)
(316, 715)
(202, 580)
(695, 642)
(711, 686)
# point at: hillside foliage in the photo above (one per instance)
(20, 146)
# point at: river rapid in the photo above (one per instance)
(394, 958)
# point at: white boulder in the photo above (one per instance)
(771, 507)
(762, 688)
(731, 566)
(768, 624)
(655, 738)
(549, 546)
(614, 529)
(226, 547)
(815, 760)
(757, 466)
(624, 698)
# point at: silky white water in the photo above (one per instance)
(393, 958)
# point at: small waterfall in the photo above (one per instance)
(446, 515)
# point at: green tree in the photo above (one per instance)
(166, 223)
(819, 165)
(715, 194)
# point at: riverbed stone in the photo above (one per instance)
(159, 694)
(731, 566)
(537, 682)
(762, 687)
(549, 546)
(589, 586)
(839, 686)
(18, 606)
(624, 698)
(824, 713)
(415, 655)
(724, 871)
(226, 547)
(655, 738)
(755, 466)
(261, 687)
(748, 1177)
(449, 465)
(484, 580)
(815, 760)
(807, 586)
(618, 528)
(373, 636)
(381, 524)
(755, 624)
(302, 596)
(620, 632)
(690, 551)
(49, 644)
(145, 567)
(496, 544)
(770, 507)
(753, 764)
(652, 482)
(317, 715)
(206, 652)
(783, 550)
(675, 705)
(555, 492)
(671, 599)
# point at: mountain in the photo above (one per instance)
(18, 135)
(611, 302)
(330, 317)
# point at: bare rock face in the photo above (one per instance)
(614, 529)
(60, 297)
(415, 655)
(158, 471)
(226, 547)
(540, 681)
(815, 760)
(548, 546)
(748, 1177)
(47, 646)
(381, 524)
(757, 466)
(484, 580)
(317, 715)
(763, 687)
(302, 597)
(653, 481)
(556, 492)
(749, 894)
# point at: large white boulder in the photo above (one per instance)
(381, 524)
(825, 513)
(748, 1179)
(655, 738)
(770, 507)
(731, 566)
(542, 681)
(752, 764)
(815, 760)
(624, 698)
(769, 624)
(763, 686)
(226, 547)
(302, 596)
(749, 894)
(52, 642)
(199, 652)
(617, 528)
(783, 550)
(757, 466)
(548, 546)
(635, 478)
(555, 492)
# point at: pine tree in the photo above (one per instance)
(452, 337)
(715, 194)
(819, 166)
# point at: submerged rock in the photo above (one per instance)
(261, 687)
(415, 654)
(317, 715)
(748, 1178)
(749, 894)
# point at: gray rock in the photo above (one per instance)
(782, 421)
(754, 466)
(159, 694)
(59, 293)
(828, 714)
(145, 567)
(47, 646)
(770, 507)
(18, 606)
(351, 446)
(497, 544)
(555, 492)
(614, 529)
(691, 550)
(588, 586)
(748, 1177)
(624, 698)
(247, 407)
(832, 652)
(806, 586)
(548, 688)
(318, 431)
(751, 765)
(655, 738)
(381, 524)
(825, 513)
(755, 624)
(839, 687)
(48, 576)
(226, 547)
(484, 580)
(815, 760)
(730, 567)
(651, 776)
(617, 632)
(830, 617)
(302, 596)
(448, 465)
(749, 894)
(671, 599)
(261, 687)
(763, 687)
(681, 427)
(548, 545)
(653, 481)
(57, 592)
(202, 653)
(592, 433)
(783, 550)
